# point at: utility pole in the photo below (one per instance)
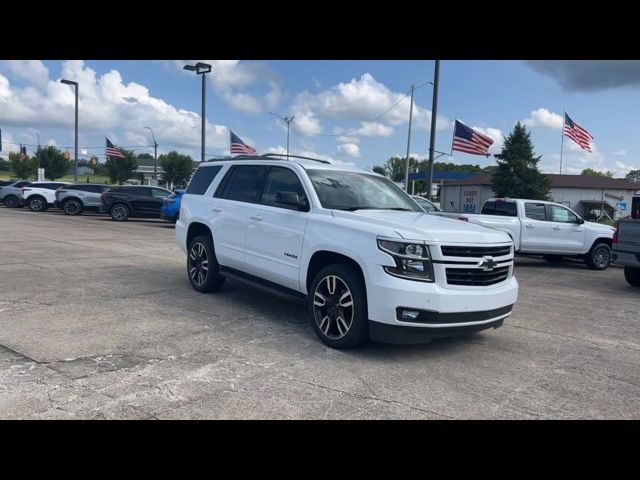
(288, 121)
(434, 115)
(406, 169)
(155, 153)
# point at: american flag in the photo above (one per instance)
(466, 139)
(23, 152)
(112, 151)
(576, 133)
(238, 146)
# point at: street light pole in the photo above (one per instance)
(201, 69)
(288, 121)
(155, 153)
(434, 115)
(75, 168)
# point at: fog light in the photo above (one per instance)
(410, 314)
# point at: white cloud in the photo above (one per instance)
(106, 103)
(231, 78)
(622, 169)
(543, 118)
(32, 72)
(363, 100)
(619, 153)
(351, 149)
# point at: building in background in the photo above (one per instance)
(590, 197)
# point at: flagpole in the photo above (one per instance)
(454, 135)
(564, 116)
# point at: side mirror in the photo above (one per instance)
(292, 199)
(580, 221)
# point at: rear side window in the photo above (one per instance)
(243, 183)
(535, 211)
(4, 183)
(21, 184)
(202, 179)
(141, 191)
(503, 209)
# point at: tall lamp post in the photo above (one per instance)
(201, 69)
(155, 154)
(288, 121)
(406, 169)
(75, 168)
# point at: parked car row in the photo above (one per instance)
(120, 202)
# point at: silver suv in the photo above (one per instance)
(74, 199)
(11, 195)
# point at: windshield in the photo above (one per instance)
(425, 204)
(339, 190)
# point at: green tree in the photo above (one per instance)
(25, 168)
(4, 165)
(633, 176)
(517, 174)
(121, 169)
(590, 172)
(177, 167)
(53, 161)
(380, 170)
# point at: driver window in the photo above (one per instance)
(281, 179)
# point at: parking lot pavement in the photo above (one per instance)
(97, 320)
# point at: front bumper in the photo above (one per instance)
(445, 310)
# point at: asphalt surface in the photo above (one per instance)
(98, 321)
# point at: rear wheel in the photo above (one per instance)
(202, 266)
(599, 257)
(632, 275)
(338, 307)
(37, 203)
(11, 201)
(119, 212)
(72, 206)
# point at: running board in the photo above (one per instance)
(264, 285)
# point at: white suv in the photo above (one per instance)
(368, 261)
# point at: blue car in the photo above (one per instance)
(170, 209)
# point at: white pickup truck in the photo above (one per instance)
(545, 228)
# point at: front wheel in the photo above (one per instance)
(632, 275)
(202, 266)
(338, 307)
(599, 257)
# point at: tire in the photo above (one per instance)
(11, 201)
(329, 307)
(119, 212)
(632, 275)
(73, 206)
(202, 266)
(553, 258)
(599, 257)
(37, 203)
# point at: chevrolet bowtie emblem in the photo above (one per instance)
(487, 264)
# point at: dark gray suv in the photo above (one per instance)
(75, 199)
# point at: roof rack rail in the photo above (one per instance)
(267, 156)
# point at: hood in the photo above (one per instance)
(422, 226)
(600, 227)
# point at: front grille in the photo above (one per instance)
(476, 276)
(458, 251)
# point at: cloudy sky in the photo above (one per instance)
(337, 107)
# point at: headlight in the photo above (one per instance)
(412, 259)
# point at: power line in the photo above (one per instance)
(355, 129)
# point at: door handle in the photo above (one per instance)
(216, 209)
(256, 217)
(528, 225)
